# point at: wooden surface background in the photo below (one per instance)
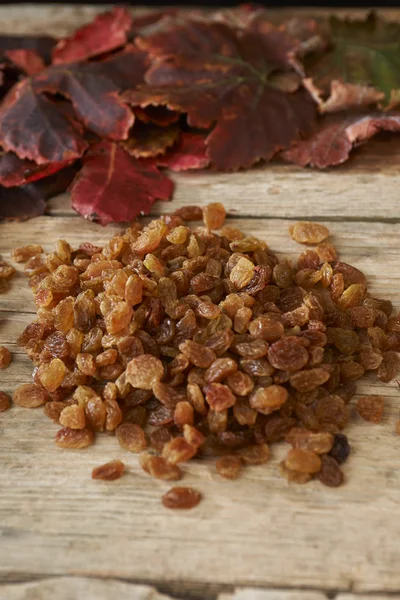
(65, 536)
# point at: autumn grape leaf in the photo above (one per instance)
(233, 80)
(364, 53)
(188, 153)
(28, 61)
(36, 128)
(337, 135)
(114, 186)
(93, 96)
(150, 140)
(126, 69)
(16, 171)
(107, 32)
(41, 44)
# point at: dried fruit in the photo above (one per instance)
(340, 449)
(330, 474)
(131, 437)
(144, 371)
(30, 395)
(74, 439)
(5, 357)
(181, 498)
(306, 381)
(178, 450)
(371, 408)
(288, 354)
(306, 232)
(197, 354)
(187, 342)
(229, 466)
(109, 471)
(321, 443)
(268, 399)
(4, 402)
(258, 454)
(219, 396)
(303, 461)
(72, 417)
(214, 215)
(158, 467)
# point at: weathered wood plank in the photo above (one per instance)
(66, 588)
(254, 594)
(365, 188)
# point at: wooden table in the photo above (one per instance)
(257, 531)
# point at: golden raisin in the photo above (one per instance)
(5, 357)
(109, 471)
(370, 408)
(181, 498)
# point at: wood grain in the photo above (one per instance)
(257, 531)
(71, 588)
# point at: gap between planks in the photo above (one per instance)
(64, 588)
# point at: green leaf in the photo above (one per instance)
(364, 52)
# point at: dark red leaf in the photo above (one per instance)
(188, 153)
(107, 32)
(126, 69)
(41, 44)
(58, 183)
(28, 61)
(37, 128)
(332, 143)
(93, 96)
(235, 79)
(21, 203)
(16, 171)
(113, 186)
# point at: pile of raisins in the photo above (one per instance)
(183, 342)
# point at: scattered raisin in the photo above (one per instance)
(158, 467)
(5, 357)
(306, 232)
(4, 402)
(181, 498)
(330, 474)
(229, 466)
(370, 408)
(109, 471)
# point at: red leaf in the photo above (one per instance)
(27, 61)
(235, 79)
(41, 44)
(38, 129)
(15, 171)
(107, 32)
(188, 153)
(93, 96)
(21, 203)
(332, 143)
(126, 69)
(113, 186)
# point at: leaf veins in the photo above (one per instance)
(232, 80)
